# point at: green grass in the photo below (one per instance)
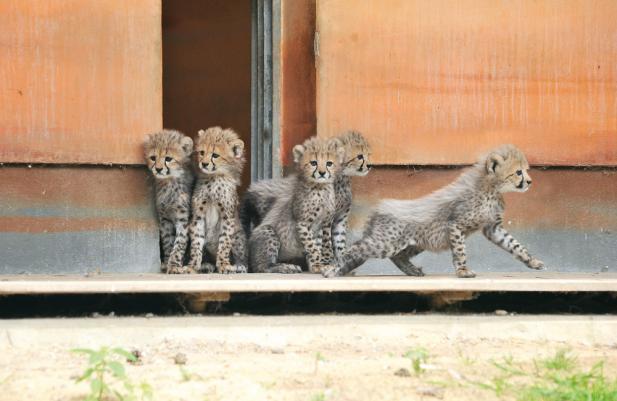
(558, 378)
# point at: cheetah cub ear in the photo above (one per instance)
(298, 151)
(201, 133)
(237, 147)
(493, 161)
(187, 145)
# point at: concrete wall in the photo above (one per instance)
(77, 220)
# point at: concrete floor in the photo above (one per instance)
(297, 358)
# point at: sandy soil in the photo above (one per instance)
(306, 358)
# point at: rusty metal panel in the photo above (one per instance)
(568, 218)
(77, 219)
(80, 81)
(433, 82)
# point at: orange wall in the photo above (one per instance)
(80, 81)
(437, 82)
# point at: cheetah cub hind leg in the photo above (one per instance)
(402, 260)
(285, 268)
(264, 247)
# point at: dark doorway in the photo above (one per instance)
(207, 67)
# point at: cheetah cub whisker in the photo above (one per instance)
(214, 225)
(297, 229)
(168, 157)
(262, 195)
(401, 229)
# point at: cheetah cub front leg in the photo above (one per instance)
(502, 238)
(225, 245)
(313, 248)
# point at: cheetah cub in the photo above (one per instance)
(289, 235)
(356, 163)
(261, 196)
(168, 157)
(214, 224)
(401, 229)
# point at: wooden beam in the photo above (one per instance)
(215, 283)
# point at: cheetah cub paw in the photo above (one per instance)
(536, 264)
(464, 272)
(232, 269)
(320, 268)
(332, 271)
(207, 267)
(180, 270)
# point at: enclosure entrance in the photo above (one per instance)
(207, 67)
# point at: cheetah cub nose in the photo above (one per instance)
(158, 169)
(528, 182)
(204, 165)
(322, 173)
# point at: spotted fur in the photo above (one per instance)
(214, 227)
(167, 155)
(401, 229)
(296, 230)
(261, 196)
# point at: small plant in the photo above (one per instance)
(318, 358)
(107, 376)
(321, 396)
(418, 357)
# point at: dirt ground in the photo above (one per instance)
(308, 358)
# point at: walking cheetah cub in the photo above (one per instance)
(288, 236)
(168, 156)
(261, 196)
(401, 229)
(214, 225)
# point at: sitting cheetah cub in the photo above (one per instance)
(401, 229)
(290, 233)
(261, 196)
(214, 225)
(168, 156)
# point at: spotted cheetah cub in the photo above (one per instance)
(261, 196)
(214, 224)
(356, 163)
(168, 157)
(401, 229)
(289, 235)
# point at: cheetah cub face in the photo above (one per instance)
(319, 160)
(168, 154)
(219, 152)
(509, 168)
(357, 155)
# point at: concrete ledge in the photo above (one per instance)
(213, 283)
(278, 331)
